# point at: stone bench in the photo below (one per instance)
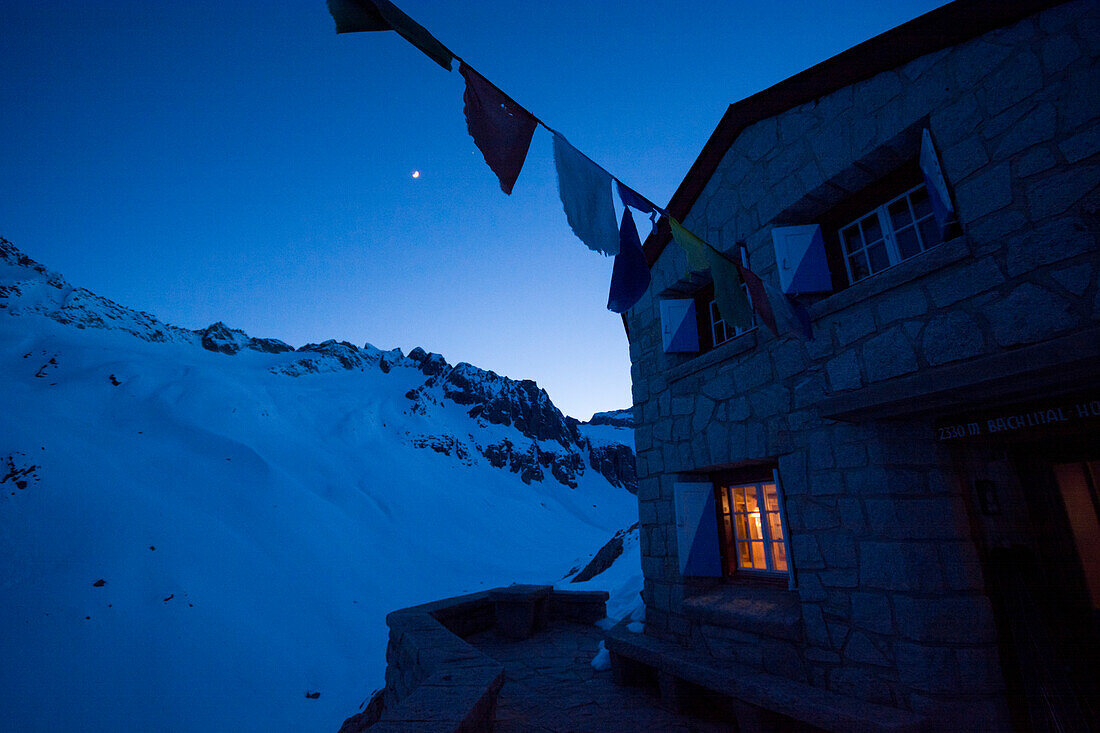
(435, 681)
(755, 696)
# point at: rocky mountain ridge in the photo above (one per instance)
(514, 425)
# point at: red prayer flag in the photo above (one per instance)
(760, 302)
(501, 129)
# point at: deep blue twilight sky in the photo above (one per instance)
(237, 160)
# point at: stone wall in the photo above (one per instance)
(436, 681)
(888, 579)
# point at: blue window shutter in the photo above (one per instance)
(936, 183)
(679, 331)
(697, 529)
(800, 259)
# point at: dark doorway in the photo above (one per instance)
(1038, 521)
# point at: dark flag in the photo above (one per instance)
(354, 16)
(630, 197)
(501, 129)
(630, 276)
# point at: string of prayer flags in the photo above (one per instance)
(630, 276)
(355, 16)
(759, 298)
(501, 129)
(585, 190)
(733, 305)
(630, 197)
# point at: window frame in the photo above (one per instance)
(889, 234)
(731, 542)
(708, 317)
(751, 474)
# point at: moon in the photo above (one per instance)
(416, 174)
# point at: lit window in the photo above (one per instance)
(895, 231)
(751, 529)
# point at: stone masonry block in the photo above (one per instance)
(951, 336)
(900, 566)
(838, 548)
(957, 284)
(843, 372)
(1054, 194)
(984, 192)
(951, 619)
(1053, 241)
(1036, 160)
(861, 649)
(927, 668)
(942, 517)
(1029, 314)
(888, 355)
(1019, 78)
(806, 554)
(871, 612)
(1082, 145)
(904, 302)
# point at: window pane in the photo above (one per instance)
(880, 260)
(907, 243)
(775, 526)
(759, 562)
(922, 207)
(756, 531)
(930, 232)
(858, 265)
(771, 500)
(852, 242)
(723, 496)
(742, 526)
(750, 499)
(738, 499)
(779, 553)
(744, 558)
(872, 230)
(899, 214)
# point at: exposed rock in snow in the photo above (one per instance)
(616, 418)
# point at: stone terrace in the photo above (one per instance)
(551, 687)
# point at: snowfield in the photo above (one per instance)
(196, 541)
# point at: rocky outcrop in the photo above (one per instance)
(605, 557)
(615, 418)
(616, 463)
(502, 401)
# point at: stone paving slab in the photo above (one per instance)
(551, 687)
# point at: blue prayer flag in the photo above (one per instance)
(630, 277)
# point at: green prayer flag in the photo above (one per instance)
(733, 304)
(694, 248)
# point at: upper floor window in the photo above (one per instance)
(894, 231)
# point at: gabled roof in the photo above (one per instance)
(949, 25)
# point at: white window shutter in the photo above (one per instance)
(679, 331)
(697, 529)
(936, 183)
(800, 259)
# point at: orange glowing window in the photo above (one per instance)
(752, 528)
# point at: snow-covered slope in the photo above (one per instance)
(200, 528)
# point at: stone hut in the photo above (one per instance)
(893, 524)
